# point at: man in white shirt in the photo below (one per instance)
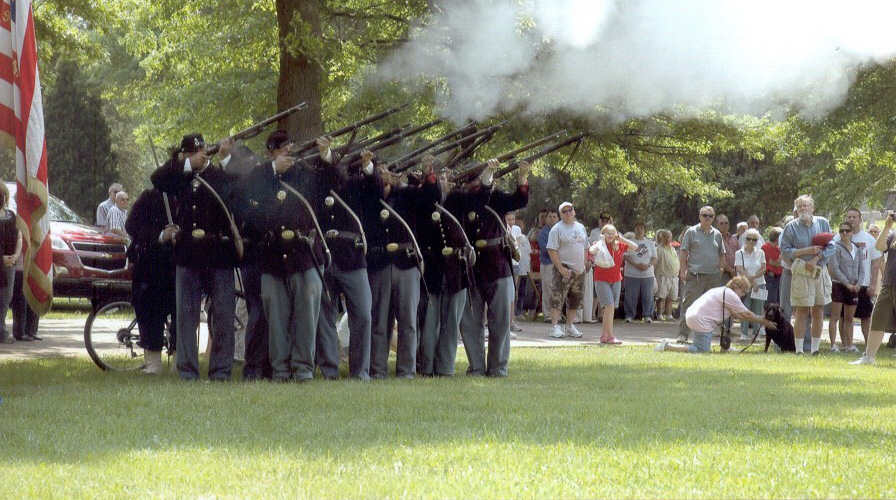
(638, 277)
(102, 210)
(871, 262)
(566, 246)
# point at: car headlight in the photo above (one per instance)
(58, 243)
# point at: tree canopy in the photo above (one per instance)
(165, 68)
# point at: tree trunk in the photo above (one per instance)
(300, 74)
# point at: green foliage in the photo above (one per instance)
(80, 162)
(848, 157)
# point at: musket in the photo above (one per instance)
(357, 146)
(465, 153)
(472, 137)
(478, 168)
(308, 145)
(336, 198)
(546, 151)
(257, 128)
(351, 158)
(414, 157)
(323, 241)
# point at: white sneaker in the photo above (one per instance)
(852, 348)
(648, 320)
(864, 360)
(513, 336)
(836, 348)
(762, 331)
(515, 327)
(662, 346)
(744, 336)
(573, 332)
(153, 362)
(557, 332)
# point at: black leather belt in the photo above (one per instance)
(493, 242)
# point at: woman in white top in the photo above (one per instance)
(750, 263)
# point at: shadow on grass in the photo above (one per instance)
(66, 411)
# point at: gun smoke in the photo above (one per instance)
(625, 59)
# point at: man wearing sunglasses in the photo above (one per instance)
(566, 246)
(702, 256)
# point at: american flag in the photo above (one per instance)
(22, 127)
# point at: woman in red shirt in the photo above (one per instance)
(608, 280)
(773, 268)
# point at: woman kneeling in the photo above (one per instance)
(712, 309)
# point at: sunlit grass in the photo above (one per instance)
(569, 422)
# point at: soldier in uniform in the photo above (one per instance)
(493, 283)
(348, 274)
(291, 256)
(206, 251)
(447, 258)
(393, 269)
(152, 286)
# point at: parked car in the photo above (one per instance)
(82, 254)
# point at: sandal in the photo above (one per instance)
(611, 341)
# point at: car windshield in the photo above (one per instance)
(59, 211)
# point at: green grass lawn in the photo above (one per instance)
(568, 423)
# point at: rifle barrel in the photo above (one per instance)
(479, 167)
(546, 151)
(257, 128)
(404, 163)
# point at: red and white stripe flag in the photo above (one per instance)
(22, 127)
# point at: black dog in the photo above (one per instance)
(783, 336)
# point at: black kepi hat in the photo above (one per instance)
(278, 139)
(192, 143)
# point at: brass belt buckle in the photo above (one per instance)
(447, 251)
(391, 247)
(332, 233)
(198, 234)
(288, 234)
(481, 243)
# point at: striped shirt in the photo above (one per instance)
(117, 218)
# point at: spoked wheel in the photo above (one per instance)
(111, 335)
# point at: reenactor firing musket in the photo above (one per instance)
(309, 145)
(546, 151)
(478, 168)
(257, 128)
(414, 157)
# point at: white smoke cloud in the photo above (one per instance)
(640, 57)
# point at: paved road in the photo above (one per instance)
(65, 337)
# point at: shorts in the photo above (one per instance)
(865, 306)
(808, 292)
(843, 295)
(667, 287)
(607, 293)
(883, 318)
(571, 291)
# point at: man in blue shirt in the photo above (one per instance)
(546, 265)
(810, 285)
